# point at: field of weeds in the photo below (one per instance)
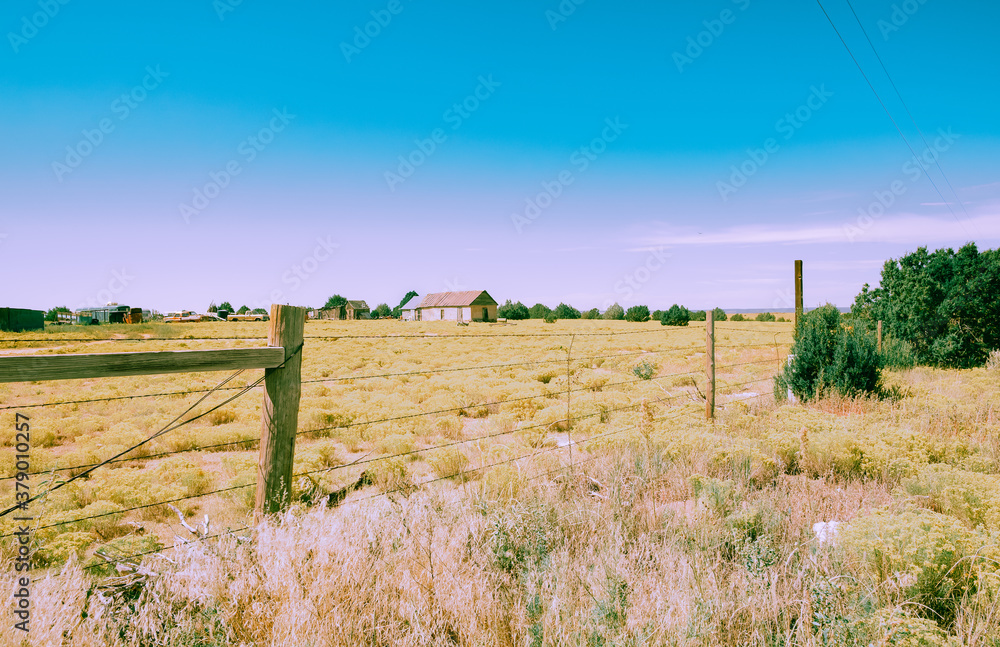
(511, 516)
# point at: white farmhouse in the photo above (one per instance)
(470, 305)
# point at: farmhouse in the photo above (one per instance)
(350, 310)
(470, 305)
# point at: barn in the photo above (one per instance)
(351, 310)
(469, 305)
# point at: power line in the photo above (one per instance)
(886, 109)
(937, 159)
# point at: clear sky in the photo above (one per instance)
(170, 154)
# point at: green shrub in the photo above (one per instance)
(719, 314)
(676, 316)
(593, 313)
(550, 318)
(926, 559)
(898, 353)
(614, 312)
(828, 356)
(698, 315)
(737, 317)
(764, 316)
(564, 311)
(637, 314)
(644, 370)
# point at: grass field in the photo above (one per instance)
(637, 523)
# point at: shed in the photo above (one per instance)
(357, 310)
(468, 305)
(20, 320)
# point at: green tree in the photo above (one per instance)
(614, 313)
(564, 311)
(593, 313)
(676, 316)
(335, 302)
(539, 311)
(943, 303)
(382, 311)
(698, 315)
(243, 310)
(53, 314)
(719, 314)
(258, 311)
(637, 313)
(225, 305)
(513, 311)
(829, 356)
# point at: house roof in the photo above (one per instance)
(357, 305)
(455, 299)
(411, 303)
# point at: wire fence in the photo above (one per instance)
(686, 392)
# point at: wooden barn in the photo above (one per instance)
(350, 310)
(469, 305)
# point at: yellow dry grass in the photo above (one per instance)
(664, 529)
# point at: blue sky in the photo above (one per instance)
(166, 156)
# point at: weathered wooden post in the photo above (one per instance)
(798, 293)
(280, 413)
(710, 364)
(879, 335)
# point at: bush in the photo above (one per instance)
(644, 370)
(539, 311)
(831, 357)
(448, 462)
(381, 311)
(698, 315)
(564, 311)
(593, 313)
(637, 314)
(719, 314)
(737, 317)
(513, 311)
(764, 316)
(923, 558)
(676, 316)
(614, 313)
(550, 318)
(898, 353)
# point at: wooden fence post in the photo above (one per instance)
(798, 294)
(280, 413)
(710, 364)
(880, 335)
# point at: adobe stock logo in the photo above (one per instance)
(38, 20)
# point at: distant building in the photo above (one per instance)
(350, 310)
(470, 305)
(20, 320)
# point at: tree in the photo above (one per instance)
(614, 312)
(539, 311)
(737, 317)
(243, 310)
(593, 313)
(829, 356)
(943, 303)
(564, 311)
(698, 315)
(258, 311)
(53, 314)
(212, 307)
(513, 311)
(765, 316)
(637, 313)
(381, 311)
(676, 316)
(225, 305)
(335, 301)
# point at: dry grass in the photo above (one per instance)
(665, 530)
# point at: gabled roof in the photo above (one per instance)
(358, 305)
(456, 299)
(411, 303)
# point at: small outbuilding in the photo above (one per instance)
(20, 320)
(468, 305)
(350, 310)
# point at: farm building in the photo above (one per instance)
(470, 305)
(350, 310)
(19, 319)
